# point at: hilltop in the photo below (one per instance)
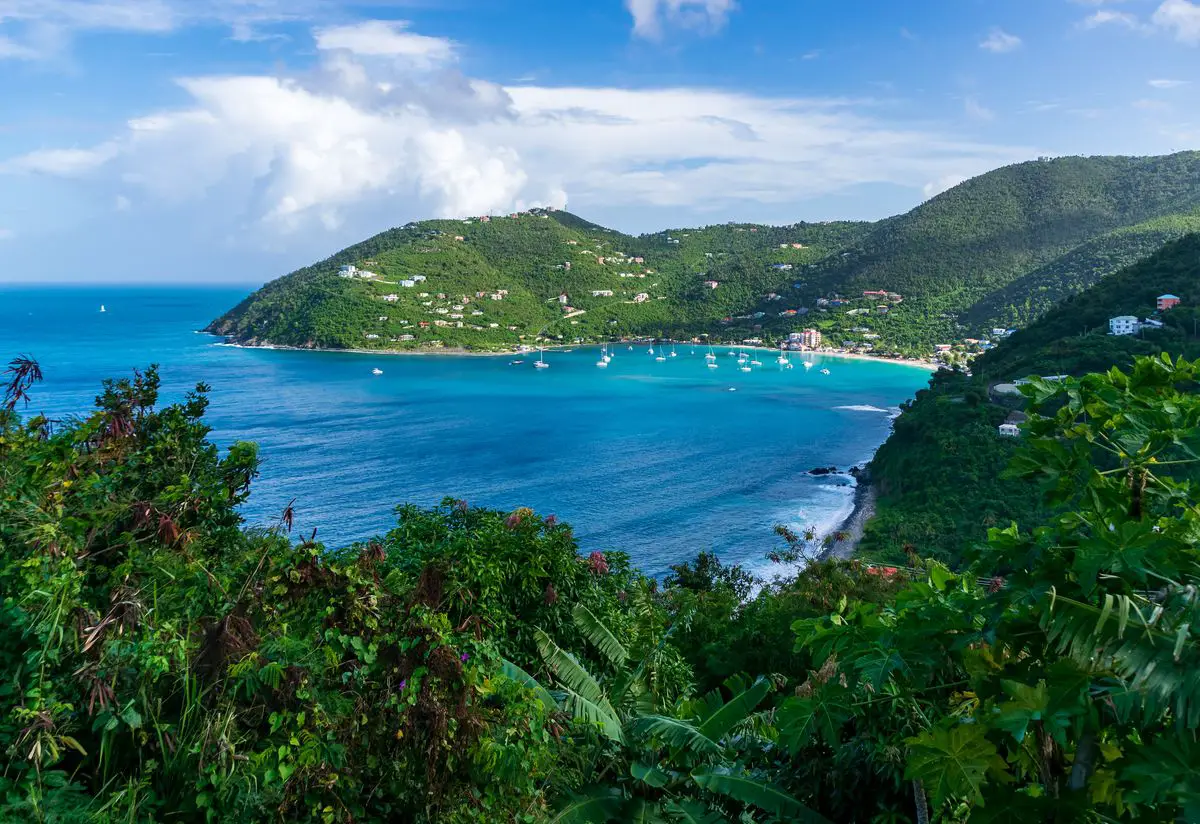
(997, 250)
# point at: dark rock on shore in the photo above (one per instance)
(824, 470)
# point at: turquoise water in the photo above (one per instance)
(661, 460)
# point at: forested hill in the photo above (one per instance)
(941, 475)
(1004, 246)
(998, 250)
(1073, 337)
(492, 282)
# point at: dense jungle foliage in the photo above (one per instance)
(164, 662)
(996, 250)
(940, 474)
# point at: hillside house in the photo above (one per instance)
(639, 260)
(711, 284)
(1009, 430)
(641, 297)
(797, 245)
(562, 298)
(424, 324)
(408, 284)
(391, 298)
(1123, 325)
(459, 238)
(602, 293)
(1166, 302)
(783, 267)
(407, 337)
(417, 278)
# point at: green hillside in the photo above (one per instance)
(953, 253)
(492, 284)
(996, 250)
(941, 475)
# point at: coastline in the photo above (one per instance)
(846, 538)
(928, 366)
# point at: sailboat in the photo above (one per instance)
(603, 362)
(540, 363)
(376, 371)
(808, 364)
(650, 351)
(102, 309)
(673, 351)
(711, 358)
(824, 371)
(662, 355)
(782, 360)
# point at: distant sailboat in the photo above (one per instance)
(102, 309)
(603, 362)
(673, 351)
(808, 364)
(782, 360)
(824, 371)
(377, 371)
(540, 363)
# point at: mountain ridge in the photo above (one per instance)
(997, 249)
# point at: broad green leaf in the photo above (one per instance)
(514, 673)
(692, 812)
(735, 710)
(757, 794)
(598, 806)
(600, 636)
(955, 763)
(675, 733)
(649, 774)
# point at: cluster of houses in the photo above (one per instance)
(807, 339)
(352, 271)
(1131, 325)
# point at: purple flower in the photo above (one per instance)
(551, 520)
(465, 658)
(404, 683)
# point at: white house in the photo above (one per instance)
(641, 297)
(348, 271)
(391, 298)
(602, 293)
(408, 284)
(1123, 325)
(418, 278)
(1009, 430)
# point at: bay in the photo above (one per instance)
(658, 459)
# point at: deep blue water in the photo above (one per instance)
(661, 460)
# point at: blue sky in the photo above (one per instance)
(233, 140)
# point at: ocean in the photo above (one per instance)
(659, 459)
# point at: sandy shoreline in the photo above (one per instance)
(928, 366)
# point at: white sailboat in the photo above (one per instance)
(540, 363)
(662, 355)
(808, 364)
(673, 351)
(376, 371)
(824, 371)
(603, 362)
(102, 309)
(782, 360)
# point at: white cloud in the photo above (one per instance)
(1107, 18)
(7, 234)
(1167, 84)
(649, 16)
(1181, 18)
(121, 203)
(976, 110)
(942, 184)
(378, 38)
(363, 142)
(999, 41)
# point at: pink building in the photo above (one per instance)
(1165, 302)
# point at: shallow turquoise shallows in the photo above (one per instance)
(661, 459)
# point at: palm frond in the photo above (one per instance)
(514, 673)
(757, 794)
(600, 636)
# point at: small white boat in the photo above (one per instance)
(745, 368)
(376, 371)
(808, 364)
(712, 364)
(650, 351)
(824, 371)
(661, 359)
(515, 362)
(673, 351)
(540, 363)
(603, 362)
(733, 389)
(102, 309)
(756, 363)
